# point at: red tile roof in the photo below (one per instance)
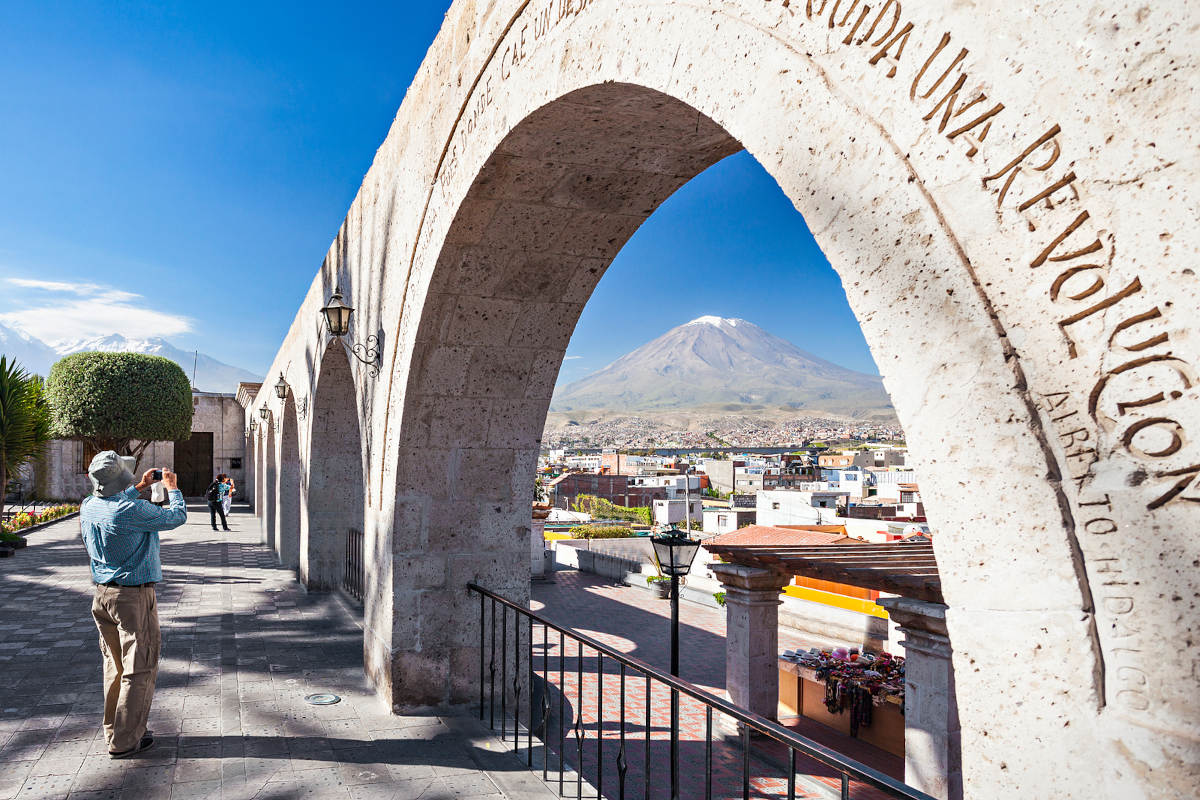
(768, 535)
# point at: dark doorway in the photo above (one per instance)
(194, 463)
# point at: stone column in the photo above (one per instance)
(752, 635)
(932, 749)
(537, 546)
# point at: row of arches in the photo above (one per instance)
(308, 506)
(508, 183)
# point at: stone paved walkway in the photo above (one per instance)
(242, 645)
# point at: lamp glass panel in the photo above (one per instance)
(685, 555)
(343, 316)
(662, 551)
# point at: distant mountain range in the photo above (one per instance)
(36, 356)
(728, 366)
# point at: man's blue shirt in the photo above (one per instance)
(121, 535)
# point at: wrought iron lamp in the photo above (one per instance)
(281, 388)
(337, 323)
(253, 425)
(675, 552)
(265, 414)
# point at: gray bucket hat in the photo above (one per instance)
(111, 473)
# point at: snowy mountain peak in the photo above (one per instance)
(726, 364)
(113, 343)
(210, 375)
(717, 321)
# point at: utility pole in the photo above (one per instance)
(687, 500)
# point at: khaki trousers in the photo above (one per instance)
(127, 617)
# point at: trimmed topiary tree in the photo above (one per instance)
(24, 420)
(119, 401)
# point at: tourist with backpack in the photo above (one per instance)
(215, 495)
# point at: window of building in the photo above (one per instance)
(87, 452)
(722, 520)
(235, 462)
(774, 506)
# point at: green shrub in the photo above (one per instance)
(24, 420)
(600, 532)
(600, 508)
(119, 401)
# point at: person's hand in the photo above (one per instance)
(147, 479)
(170, 479)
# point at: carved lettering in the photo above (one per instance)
(1133, 288)
(1100, 526)
(1014, 167)
(895, 7)
(1157, 339)
(1175, 433)
(1176, 365)
(1187, 476)
(1071, 228)
(900, 38)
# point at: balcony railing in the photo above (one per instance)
(352, 570)
(757, 758)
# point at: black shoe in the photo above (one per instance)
(227, 530)
(214, 527)
(145, 744)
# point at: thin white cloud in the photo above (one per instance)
(53, 286)
(571, 358)
(98, 311)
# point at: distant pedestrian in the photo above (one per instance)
(228, 500)
(120, 532)
(215, 495)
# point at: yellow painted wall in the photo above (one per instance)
(836, 600)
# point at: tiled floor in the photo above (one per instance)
(242, 646)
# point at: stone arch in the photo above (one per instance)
(334, 497)
(266, 486)
(974, 217)
(287, 487)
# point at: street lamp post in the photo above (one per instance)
(675, 552)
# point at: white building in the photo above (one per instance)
(667, 512)
(789, 507)
(725, 520)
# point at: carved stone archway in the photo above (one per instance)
(287, 487)
(1009, 201)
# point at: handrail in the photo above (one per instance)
(773, 730)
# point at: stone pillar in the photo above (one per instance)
(932, 748)
(537, 546)
(752, 635)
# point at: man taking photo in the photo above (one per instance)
(120, 532)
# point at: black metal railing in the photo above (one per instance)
(762, 759)
(352, 574)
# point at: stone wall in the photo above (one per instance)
(1008, 194)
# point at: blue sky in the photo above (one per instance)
(180, 169)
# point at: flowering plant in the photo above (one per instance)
(28, 519)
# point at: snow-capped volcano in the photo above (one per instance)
(727, 362)
(36, 356)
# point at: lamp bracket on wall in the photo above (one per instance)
(336, 315)
(368, 354)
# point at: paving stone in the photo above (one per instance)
(229, 715)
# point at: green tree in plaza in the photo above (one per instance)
(119, 401)
(24, 420)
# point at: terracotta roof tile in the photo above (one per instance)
(771, 536)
